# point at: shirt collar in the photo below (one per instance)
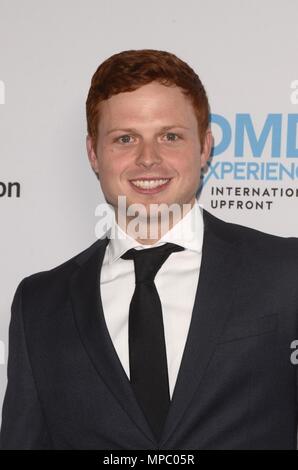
(188, 232)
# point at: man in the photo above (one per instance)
(180, 340)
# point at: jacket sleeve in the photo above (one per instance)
(23, 425)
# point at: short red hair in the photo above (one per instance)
(129, 70)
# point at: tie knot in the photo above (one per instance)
(148, 261)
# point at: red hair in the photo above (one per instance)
(129, 70)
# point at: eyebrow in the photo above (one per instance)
(133, 130)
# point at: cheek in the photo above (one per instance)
(188, 162)
(112, 164)
(115, 179)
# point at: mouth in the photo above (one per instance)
(150, 185)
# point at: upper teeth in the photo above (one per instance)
(149, 183)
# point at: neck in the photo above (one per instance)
(150, 229)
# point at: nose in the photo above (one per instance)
(148, 155)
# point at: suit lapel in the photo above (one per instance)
(212, 306)
(89, 316)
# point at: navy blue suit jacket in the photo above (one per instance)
(236, 387)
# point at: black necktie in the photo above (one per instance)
(147, 350)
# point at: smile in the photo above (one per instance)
(149, 183)
(150, 186)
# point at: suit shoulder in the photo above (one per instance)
(251, 236)
(57, 277)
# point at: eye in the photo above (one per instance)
(172, 137)
(124, 139)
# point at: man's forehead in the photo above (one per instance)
(153, 91)
(144, 108)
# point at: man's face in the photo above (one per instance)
(150, 133)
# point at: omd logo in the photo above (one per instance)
(9, 189)
(2, 92)
(267, 151)
(273, 130)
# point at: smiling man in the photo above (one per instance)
(176, 336)
(149, 148)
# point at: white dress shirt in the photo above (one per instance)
(176, 282)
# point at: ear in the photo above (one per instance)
(207, 147)
(92, 154)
